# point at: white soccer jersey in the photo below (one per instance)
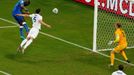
(35, 20)
(119, 72)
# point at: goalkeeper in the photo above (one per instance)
(120, 38)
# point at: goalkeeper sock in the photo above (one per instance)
(28, 43)
(112, 58)
(23, 43)
(124, 55)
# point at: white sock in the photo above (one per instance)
(23, 42)
(28, 43)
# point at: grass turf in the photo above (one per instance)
(47, 56)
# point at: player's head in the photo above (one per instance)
(118, 25)
(37, 11)
(120, 67)
(26, 2)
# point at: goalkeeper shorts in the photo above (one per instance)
(119, 48)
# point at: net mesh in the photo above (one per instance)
(105, 29)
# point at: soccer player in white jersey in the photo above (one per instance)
(119, 71)
(37, 22)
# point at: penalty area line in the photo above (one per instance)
(5, 73)
(3, 27)
(74, 44)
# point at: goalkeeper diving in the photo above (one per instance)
(120, 38)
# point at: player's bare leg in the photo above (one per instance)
(29, 41)
(21, 45)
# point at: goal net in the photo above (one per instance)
(106, 14)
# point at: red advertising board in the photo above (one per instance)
(120, 7)
(87, 2)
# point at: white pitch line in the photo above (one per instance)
(77, 45)
(102, 50)
(8, 21)
(68, 42)
(5, 73)
(2, 27)
(83, 47)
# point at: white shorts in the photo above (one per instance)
(33, 33)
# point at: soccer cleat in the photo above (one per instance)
(110, 43)
(23, 51)
(19, 49)
(127, 61)
(110, 65)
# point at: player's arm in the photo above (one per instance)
(25, 15)
(45, 24)
(116, 38)
(23, 7)
(115, 41)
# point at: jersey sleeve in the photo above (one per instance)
(117, 37)
(31, 15)
(113, 73)
(117, 32)
(40, 18)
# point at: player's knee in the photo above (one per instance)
(21, 26)
(121, 51)
(28, 38)
(112, 52)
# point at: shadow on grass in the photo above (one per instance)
(32, 60)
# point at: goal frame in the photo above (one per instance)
(95, 25)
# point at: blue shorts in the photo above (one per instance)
(19, 19)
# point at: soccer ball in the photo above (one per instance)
(55, 10)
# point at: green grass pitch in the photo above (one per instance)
(48, 56)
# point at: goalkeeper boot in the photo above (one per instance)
(127, 61)
(110, 65)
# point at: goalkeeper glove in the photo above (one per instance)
(110, 42)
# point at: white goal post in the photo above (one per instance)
(95, 25)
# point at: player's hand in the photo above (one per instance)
(17, 14)
(110, 42)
